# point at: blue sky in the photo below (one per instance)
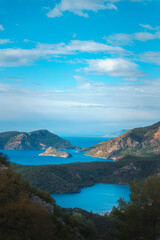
(86, 67)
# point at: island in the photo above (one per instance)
(55, 153)
(36, 140)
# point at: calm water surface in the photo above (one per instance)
(99, 198)
(30, 157)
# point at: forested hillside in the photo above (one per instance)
(71, 177)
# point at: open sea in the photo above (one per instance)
(98, 198)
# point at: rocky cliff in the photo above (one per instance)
(139, 142)
(36, 140)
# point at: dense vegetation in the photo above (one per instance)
(71, 177)
(21, 218)
(139, 218)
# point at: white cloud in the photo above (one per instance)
(4, 41)
(80, 7)
(116, 67)
(19, 57)
(111, 6)
(125, 39)
(151, 57)
(80, 46)
(1, 27)
(149, 27)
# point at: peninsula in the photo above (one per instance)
(144, 141)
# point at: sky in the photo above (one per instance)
(79, 67)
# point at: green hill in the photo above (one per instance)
(67, 178)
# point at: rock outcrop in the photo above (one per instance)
(49, 207)
(139, 142)
(55, 153)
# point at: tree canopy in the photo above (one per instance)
(140, 217)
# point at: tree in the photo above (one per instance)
(140, 218)
(4, 161)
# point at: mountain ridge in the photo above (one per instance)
(142, 141)
(35, 140)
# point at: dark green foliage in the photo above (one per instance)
(139, 218)
(20, 218)
(71, 177)
(4, 161)
(97, 223)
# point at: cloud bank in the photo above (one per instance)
(82, 7)
(11, 57)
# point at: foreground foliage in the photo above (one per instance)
(140, 218)
(21, 218)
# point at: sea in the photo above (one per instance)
(99, 198)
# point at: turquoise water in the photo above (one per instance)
(30, 157)
(99, 198)
(27, 157)
(85, 141)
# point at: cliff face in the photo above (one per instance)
(37, 140)
(139, 141)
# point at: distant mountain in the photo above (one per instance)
(143, 141)
(36, 140)
(115, 134)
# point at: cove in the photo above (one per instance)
(31, 157)
(99, 198)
